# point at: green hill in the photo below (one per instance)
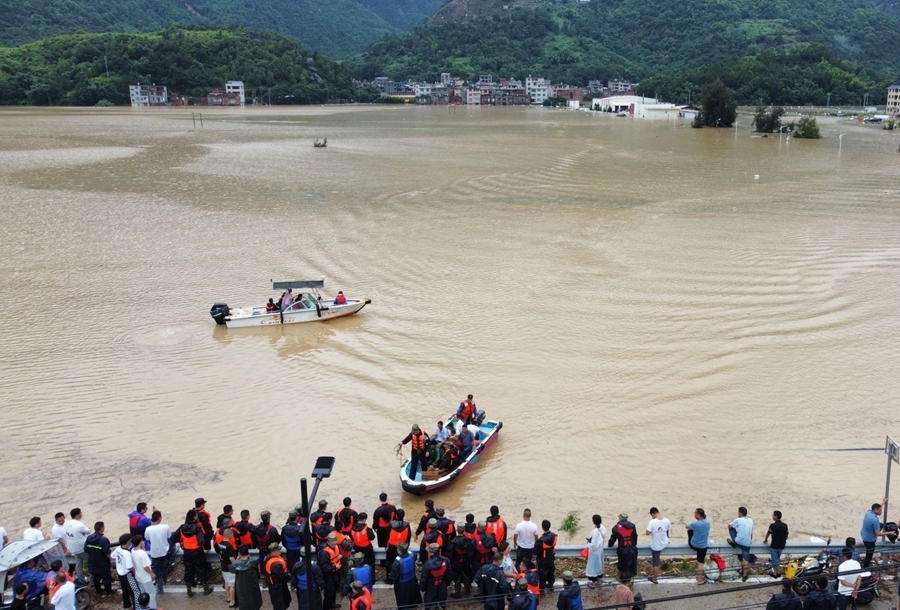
(577, 41)
(333, 27)
(72, 69)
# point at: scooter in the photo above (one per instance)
(868, 590)
(803, 574)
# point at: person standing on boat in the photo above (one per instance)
(287, 299)
(403, 575)
(467, 410)
(417, 456)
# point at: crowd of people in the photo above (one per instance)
(514, 566)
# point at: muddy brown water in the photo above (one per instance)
(653, 324)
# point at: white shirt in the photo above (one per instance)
(526, 532)
(441, 435)
(3, 535)
(64, 597)
(33, 534)
(849, 565)
(122, 557)
(158, 537)
(76, 533)
(141, 560)
(659, 533)
(59, 531)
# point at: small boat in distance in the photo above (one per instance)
(427, 481)
(307, 306)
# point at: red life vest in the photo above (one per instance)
(190, 543)
(468, 410)
(262, 542)
(497, 528)
(398, 535)
(361, 537)
(626, 534)
(341, 299)
(438, 574)
(418, 442)
(382, 524)
(484, 552)
(247, 536)
(363, 601)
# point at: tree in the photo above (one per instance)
(768, 122)
(807, 128)
(719, 109)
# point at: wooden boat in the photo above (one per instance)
(428, 481)
(309, 306)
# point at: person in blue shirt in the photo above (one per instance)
(698, 540)
(871, 530)
(35, 579)
(741, 532)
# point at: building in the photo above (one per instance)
(538, 89)
(218, 97)
(473, 97)
(634, 105)
(235, 89)
(446, 79)
(422, 89)
(144, 96)
(893, 100)
(621, 86)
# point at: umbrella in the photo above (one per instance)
(18, 552)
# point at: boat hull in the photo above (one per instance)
(419, 487)
(254, 317)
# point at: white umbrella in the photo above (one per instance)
(18, 552)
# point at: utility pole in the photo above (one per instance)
(828, 105)
(106, 63)
(892, 449)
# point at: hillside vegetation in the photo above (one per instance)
(577, 41)
(70, 70)
(333, 27)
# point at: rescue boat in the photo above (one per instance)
(308, 306)
(423, 482)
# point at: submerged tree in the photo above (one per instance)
(807, 128)
(768, 122)
(719, 109)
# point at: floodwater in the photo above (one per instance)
(653, 324)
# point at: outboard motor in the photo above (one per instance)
(218, 312)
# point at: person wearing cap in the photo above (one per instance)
(361, 571)
(362, 536)
(190, 536)
(205, 520)
(496, 525)
(485, 547)
(460, 552)
(299, 572)
(266, 533)
(523, 599)
(360, 596)
(435, 578)
(432, 536)
(321, 531)
(624, 533)
(467, 410)
(347, 515)
(418, 454)
(491, 583)
(246, 580)
(381, 520)
(426, 516)
(446, 527)
(330, 562)
(400, 532)
(317, 516)
(292, 537)
(570, 596)
(278, 577)
(403, 576)
(545, 548)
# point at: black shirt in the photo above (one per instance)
(18, 604)
(779, 534)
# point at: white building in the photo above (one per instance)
(236, 87)
(893, 100)
(538, 89)
(144, 96)
(473, 97)
(634, 105)
(621, 86)
(446, 79)
(422, 89)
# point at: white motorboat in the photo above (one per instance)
(307, 306)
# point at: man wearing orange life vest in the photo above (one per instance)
(362, 536)
(381, 519)
(360, 597)
(205, 520)
(467, 411)
(278, 575)
(347, 516)
(400, 533)
(417, 455)
(331, 563)
(190, 536)
(496, 525)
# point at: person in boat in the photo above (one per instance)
(418, 454)
(441, 433)
(340, 299)
(298, 302)
(286, 299)
(467, 410)
(450, 459)
(271, 306)
(466, 441)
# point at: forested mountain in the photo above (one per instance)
(333, 27)
(577, 41)
(82, 69)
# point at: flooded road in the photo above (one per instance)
(653, 324)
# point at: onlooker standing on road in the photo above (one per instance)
(848, 584)
(778, 530)
(741, 532)
(76, 533)
(698, 540)
(58, 531)
(596, 542)
(625, 534)
(523, 539)
(125, 570)
(143, 572)
(546, 556)
(34, 533)
(658, 529)
(871, 530)
(97, 547)
(158, 534)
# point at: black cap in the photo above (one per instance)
(199, 501)
(470, 396)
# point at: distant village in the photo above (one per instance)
(618, 97)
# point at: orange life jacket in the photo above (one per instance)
(220, 537)
(468, 410)
(536, 587)
(272, 561)
(270, 307)
(382, 524)
(361, 538)
(398, 536)
(246, 537)
(334, 556)
(497, 528)
(348, 517)
(190, 543)
(365, 597)
(418, 442)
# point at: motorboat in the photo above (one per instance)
(307, 305)
(422, 482)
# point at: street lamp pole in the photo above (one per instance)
(322, 470)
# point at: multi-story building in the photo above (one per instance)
(235, 89)
(893, 100)
(422, 89)
(218, 97)
(621, 86)
(485, 79)
(511, 96)
(446, 79)
(538, 89)
(473, 97)
(144, 96)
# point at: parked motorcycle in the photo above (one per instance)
(805, 571)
